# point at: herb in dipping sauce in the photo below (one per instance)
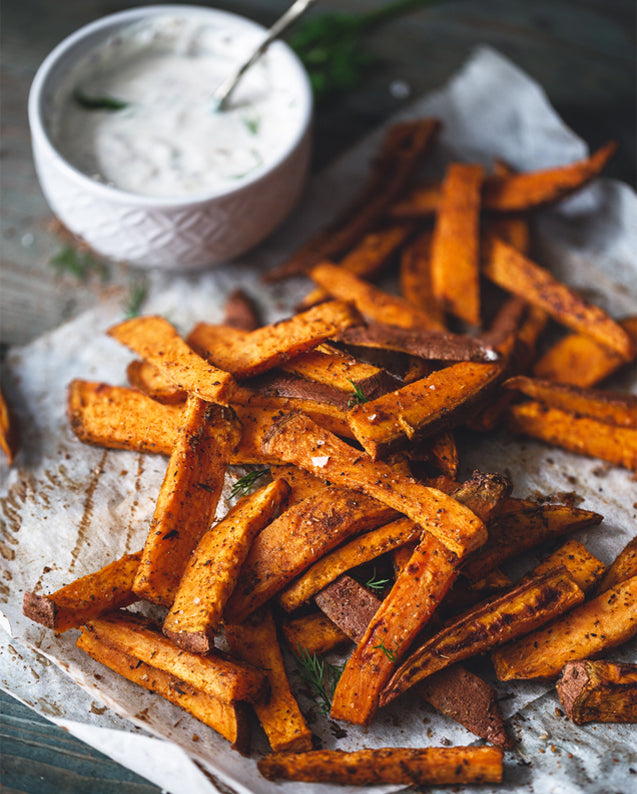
(98, 102)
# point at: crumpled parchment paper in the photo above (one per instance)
(68, 509)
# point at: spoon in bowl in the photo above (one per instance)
(222, 94)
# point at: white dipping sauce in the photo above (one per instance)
(168, 141)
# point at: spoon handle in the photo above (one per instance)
(221, 95)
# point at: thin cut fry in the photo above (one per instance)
(216, 675)
(512, 615)
(89, 597)
(248, 354)
(156, 341)
(455, 249)
(296, 439)
(187, 499)
(580, 434)
(255, 641)
(415, 277)
(213, 567)
(587, 631)
(512, 271)
(431, 766)
(228, 719)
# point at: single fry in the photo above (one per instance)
(156, 341)
(422, 409)
(362, 549)
(296, 439)
(350, 606)
(583, 567)
(614, 408)
(455, 246)
(248, 354)
(217, 675)
(228, 719)
(580, 434)
(187, 499)
(623, 567)
(296, 539)
(443, 453)
(151, 381)
(314, 633)
(8, 430)
(580, 360)
(240, 311)
(431, 766)
(415, 277)
(587, 631)
(370, 301)
(598, 691)
(515, 273)
(404, 147)
(488, 625)
(255, 641)
(212, 569)
(89, 597)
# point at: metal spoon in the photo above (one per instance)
(221, 94)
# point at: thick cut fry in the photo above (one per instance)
(422, 409)
(370, 301)
(151, 381)
(432, 766)
(581, 360)
(296, 539)
(302, 483)
(228, 719)
(512, 192)
(416, 593)
(120, 418)
(521, 528)
(583, 567)
(156, 341)
(587, 631)
(443, 453)
(455, 248)
(614, 408)
(240, 312)
(362, 549)
(403, 149)
(342, 372)
(213, 567)
(187, 499)
(486, 626)
(296, 439)
(515, 273)
(468, 699)
(248, 354)
(89, 597)
(598, 691)
(8, 430)
(368, 257)
(622, 567)
(314, 633)
(216, 675)
(415, 277)
(350, 605)
(255, 641)
(580, 434)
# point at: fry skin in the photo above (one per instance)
(598, 691)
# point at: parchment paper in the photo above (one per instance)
(67, 509)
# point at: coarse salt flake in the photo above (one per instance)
(320, 461)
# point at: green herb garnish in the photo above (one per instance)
(78, 263)
(243, 485)
(108, 103)
(321, 676)
(376, 584)
(331, 45)
(252, 124)
(391, 655)
(358, 398)
(136, 297)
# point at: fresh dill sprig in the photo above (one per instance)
(376, 584)
(136, 297)
(78, 263)
(108, 103)
(391, 655)
(321, 676)
(358, 398)
(243, 485)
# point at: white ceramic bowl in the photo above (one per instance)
(172, 233)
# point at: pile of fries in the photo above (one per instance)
(348, 413)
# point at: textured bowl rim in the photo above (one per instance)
(41, 136)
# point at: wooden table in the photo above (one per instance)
(581, 51)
